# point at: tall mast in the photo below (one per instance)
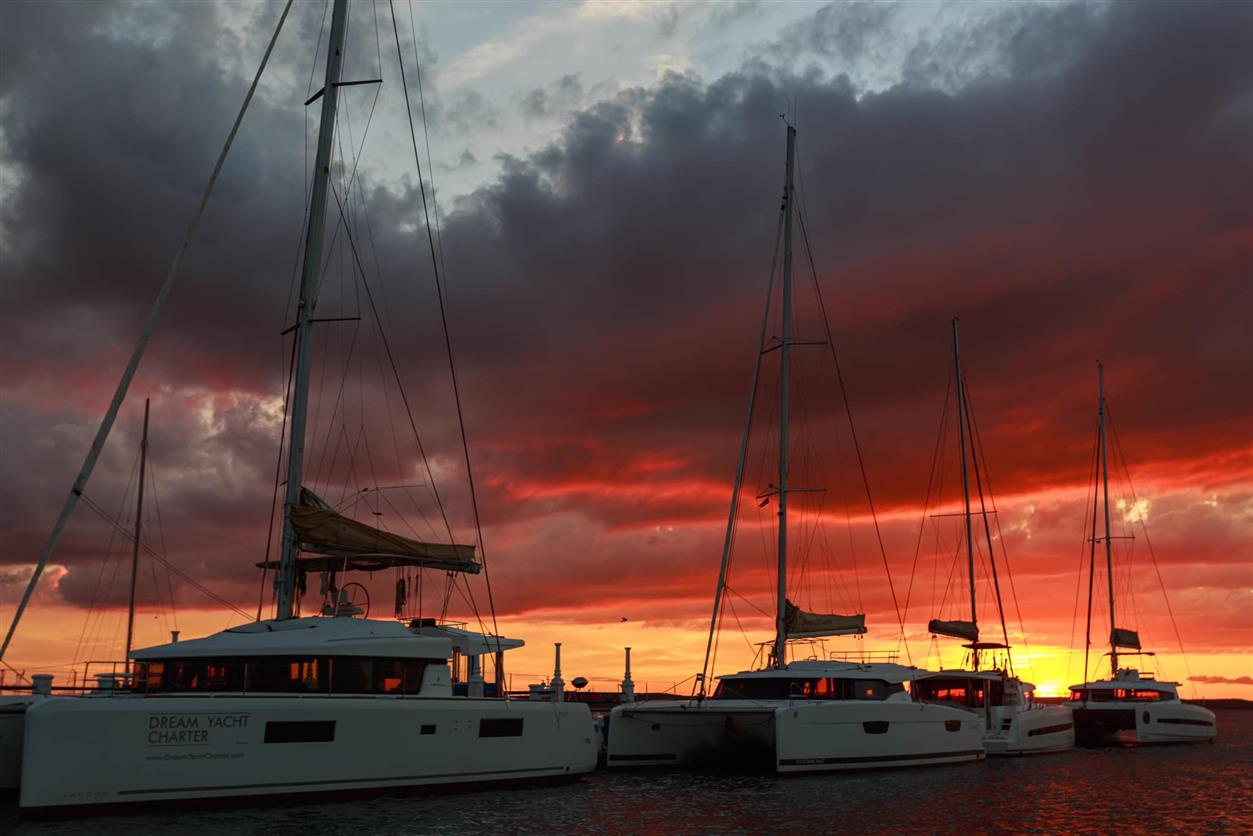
(139, 516)
(780, 637)
(285, 580)
(1109, 544)
(961, 428)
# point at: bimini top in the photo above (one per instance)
(342, 543)
(887, 671)
(312, 636)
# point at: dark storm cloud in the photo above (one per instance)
(844, 31)
(1088, 199)
(552, 100)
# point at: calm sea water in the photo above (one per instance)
(1205, 788)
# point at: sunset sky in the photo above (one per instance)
(1073, 180)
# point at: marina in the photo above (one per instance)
(533, 429)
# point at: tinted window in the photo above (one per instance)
(300, 731)
(500, 727)
(283, 675)
(817, 688)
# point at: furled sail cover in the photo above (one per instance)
(1125, 638)
(801, 624)
(967, 630)
(321, 529)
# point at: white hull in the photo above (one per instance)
(1143, 723)
(12, 731)
(818, 736)
(1031, 730)
(137, 750)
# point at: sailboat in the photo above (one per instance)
(1013, 722)
(1132, 706)
(13, 706)
(305, 706)
(803, 715)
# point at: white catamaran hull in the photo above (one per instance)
(1027, 731)
(12, 731)
(136, 750)
(1138, 722)
(818, 736)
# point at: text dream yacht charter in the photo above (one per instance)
(1013, 722)
(805, 715)
(1131, 706)
(307, 706)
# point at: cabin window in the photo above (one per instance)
(352, 676)
(500, 727)
(282, 675)
(300, 731)
(971, 693)
(285, 675)
(808, 688)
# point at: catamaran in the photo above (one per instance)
(1014, 723)
(14, 705)
(798, 715)
(304, 706)
(1132, 706)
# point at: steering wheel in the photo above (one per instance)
(355, 596)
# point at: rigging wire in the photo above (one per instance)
(1083, 547)
(169, 583)
(1009, 571)
(452, 369)
(208, 593)
(848, 410)
(106, 425)
(104, 565)
(391, 359)
(409, 412)
(278, 465)
(987, 528)
(1149, 545)
(733, 513)
(926, 504)
(1096, 493)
